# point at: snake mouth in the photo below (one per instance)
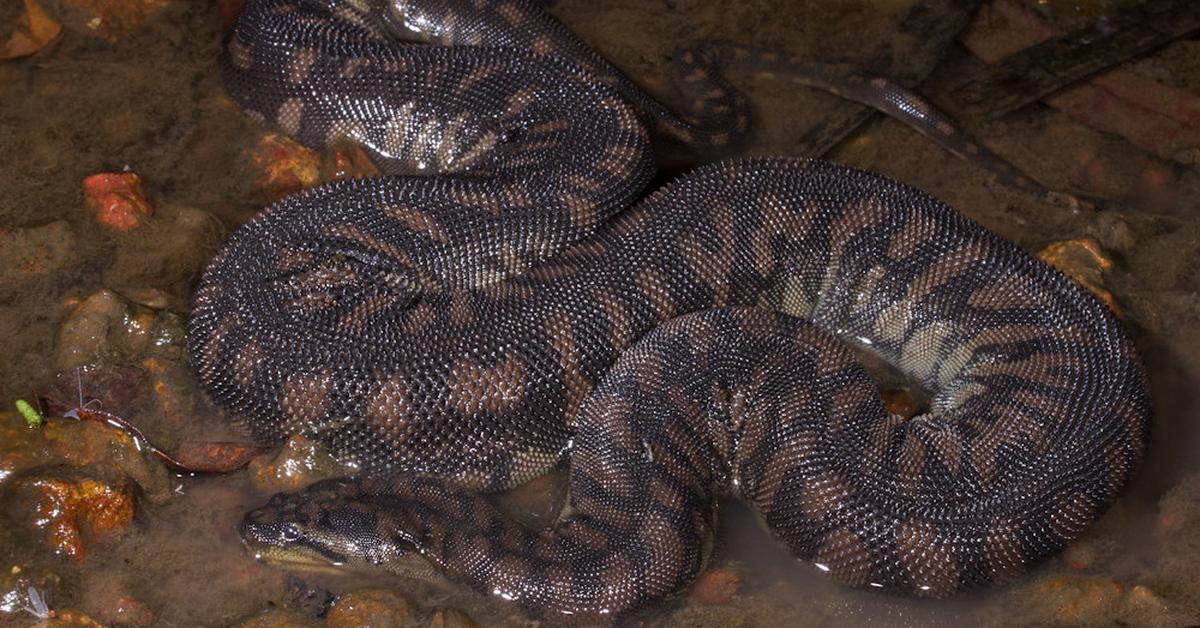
(296, 559)
(309, 560)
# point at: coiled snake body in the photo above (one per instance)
(473, 329)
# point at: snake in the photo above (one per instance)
(503, 299)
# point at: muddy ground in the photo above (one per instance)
(148, 99)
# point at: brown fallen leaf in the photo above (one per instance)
(1084, 261)
(123, 387)
(214, 456)
(34, 31)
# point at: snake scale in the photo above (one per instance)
(465, 332)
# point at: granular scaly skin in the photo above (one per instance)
(471, 330)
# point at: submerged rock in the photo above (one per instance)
(29, 591)
(67, 513)
(100, 452)
(68, 484)
(106, 327)
(117, 200)
(277, 618)
(378, 608)
(716, 586)
(1078, 600)
(300, 462)
(451, 618)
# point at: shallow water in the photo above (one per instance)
(151, 101)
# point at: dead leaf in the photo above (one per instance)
(214, 456)
(1084, 261)
(35, 30)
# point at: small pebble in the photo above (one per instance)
(377, 608)
(716, 586)
(117, 200)
(451, 618)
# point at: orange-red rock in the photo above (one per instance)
(117, 200)
(282, 166)
(70, 511)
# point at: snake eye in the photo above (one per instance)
(291, 533)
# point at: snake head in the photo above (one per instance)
(331, 524)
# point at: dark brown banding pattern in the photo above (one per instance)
(469, 330)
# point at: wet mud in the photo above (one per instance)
(140, 92)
